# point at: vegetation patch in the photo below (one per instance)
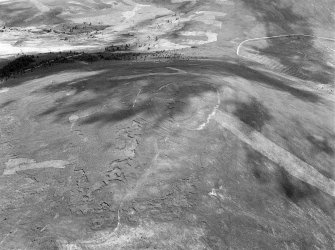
(17, 66)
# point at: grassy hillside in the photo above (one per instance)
(213, 28)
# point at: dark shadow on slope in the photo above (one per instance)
(294, 189)
(278, 180)
(114, 100)
(320, 144)
(103, 88)
(231, 67)
(269, 80)
(258, 169)
(253, 113)
(303, 194)
(298, 55)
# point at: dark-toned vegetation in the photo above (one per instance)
(113, 48)
(30, 62)
(17, 66)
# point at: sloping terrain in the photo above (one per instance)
(43, 26)
(225, 142)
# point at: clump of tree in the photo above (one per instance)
(88, 57)
(122, 47)
(118, 56)
(17, 66)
